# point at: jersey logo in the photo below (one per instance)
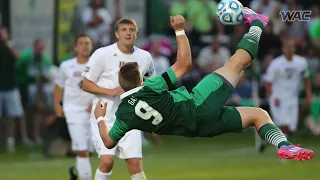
(121, 63)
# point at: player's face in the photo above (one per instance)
(126, 34)
(289, 48)
(83, 46)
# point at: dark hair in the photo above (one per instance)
(129, 76)
(37, 41)
(80, 36)
(91, 4)
(126, 21)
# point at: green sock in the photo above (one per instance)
(250, 41)
(273, 135)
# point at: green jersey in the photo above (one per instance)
(156, 108)
(153, 108)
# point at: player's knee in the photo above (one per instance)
(134, 165)
(106, 163)
(263, 115)
(83, 154)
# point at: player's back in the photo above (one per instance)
(286, 76)
(152, 109)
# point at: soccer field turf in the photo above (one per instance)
(227, 157)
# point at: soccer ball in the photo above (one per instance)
(229, 12)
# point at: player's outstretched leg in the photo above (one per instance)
(247, 48)
(272, 134)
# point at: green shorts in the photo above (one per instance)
(213, 118)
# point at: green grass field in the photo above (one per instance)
(227, 157)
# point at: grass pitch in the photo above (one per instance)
(227, 157)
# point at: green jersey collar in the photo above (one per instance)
(130, 92)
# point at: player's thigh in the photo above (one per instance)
(212, 89)
(12, 103)
(130, 146)
(98, 142)
(80, 136)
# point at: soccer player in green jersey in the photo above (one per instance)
(155, 107)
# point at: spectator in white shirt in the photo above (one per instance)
(161, 62)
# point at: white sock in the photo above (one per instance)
(83, 166)
(139, 176)
(102, 176)
(10, 144)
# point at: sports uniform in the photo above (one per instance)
(102, 69)
(75, 104)
(285, 77)
(152, 108)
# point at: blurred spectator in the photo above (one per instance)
(313, 60)
(34, 78)
(161, 63)
(262, 6)
(275, 18)
(192, 78)
(212, 57)
(314, 31)
(269, 42)
(9, 94)
(243, 91)
(236, 36)
(98, 22)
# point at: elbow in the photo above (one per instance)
(108, 144)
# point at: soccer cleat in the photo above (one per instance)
(295, 152)
(249, 16)
(73, 173)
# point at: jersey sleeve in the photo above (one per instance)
(95, 67)
(118, 130)
(271, 73)
(62, 77)
(150, 71)
(163, 82)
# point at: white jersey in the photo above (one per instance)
(70, 79)
(285, 76)
(104, 66)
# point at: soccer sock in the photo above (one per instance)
(139, 176)
(250, 41)
(10, 144)
(83, 166)
(273, 135)
(102, 176)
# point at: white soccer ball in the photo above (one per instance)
(229, 12)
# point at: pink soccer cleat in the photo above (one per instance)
(295, 152)
(249, 15)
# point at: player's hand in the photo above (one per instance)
(116, 91)
(58, 110)
(177, 22)
(100, 109)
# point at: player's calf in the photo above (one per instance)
(135, 169)
(272, 134)
(83, 165)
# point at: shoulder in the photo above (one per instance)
(104, 51)
(277, 61)
(26, 53)
(68, 62)
(300, 59)
(143, 53)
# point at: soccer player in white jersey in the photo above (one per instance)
(282, 83)
(101, 79)
(76, 105)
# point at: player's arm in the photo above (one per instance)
(269, 78)
(184, 61)
(92, 74)
(58, 89)
(119, 129)
(307, 85)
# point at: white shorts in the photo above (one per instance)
(286, 114)
(80, 133)
(130, 146)
(10, 101)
